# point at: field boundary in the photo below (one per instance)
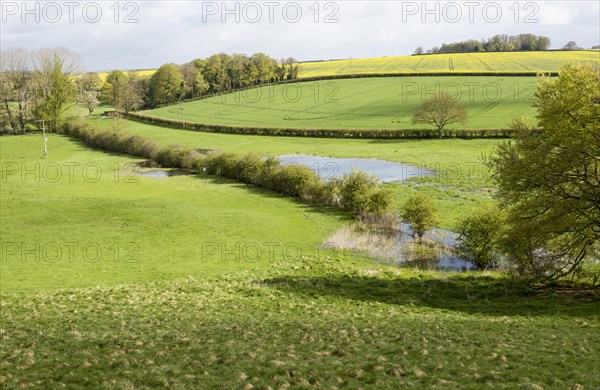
(322, 133)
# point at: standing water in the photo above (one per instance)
(333, 167)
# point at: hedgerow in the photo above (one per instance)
(357, 192)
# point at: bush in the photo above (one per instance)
(419, 212)
(479, 238)
(172, 156)
(294, 180)
(380, 201)
(356, 189)
(249, 168)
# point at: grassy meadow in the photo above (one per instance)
(161, 314)
(112, 279)
(460, 184)
(367, 103)
(87, 219)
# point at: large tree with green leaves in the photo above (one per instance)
(113, 88)
(166, 85)
(549, 183)
(55, 88)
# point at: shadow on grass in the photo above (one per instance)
(469, 294)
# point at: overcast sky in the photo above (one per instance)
(145, 34)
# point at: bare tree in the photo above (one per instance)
(16, 88)
(439, 111)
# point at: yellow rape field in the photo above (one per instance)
(511, 62)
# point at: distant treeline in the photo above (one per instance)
(172, 83)
(497, 43)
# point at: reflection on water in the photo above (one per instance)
(331, 167)
(162, 173)
(436, 251)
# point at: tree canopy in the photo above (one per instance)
(549, 183)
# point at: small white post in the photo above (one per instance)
(182, 115)
(45, 139)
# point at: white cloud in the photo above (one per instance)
(178, 31)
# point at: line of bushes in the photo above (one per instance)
(357, 192)
(322, 133)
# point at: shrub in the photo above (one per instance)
(356, 189)
(294, 180)
(419, 212)
(249, 168)
(171, 156)
(222, 164)
(380, 201)
(479, 237)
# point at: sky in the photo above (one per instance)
(146, 34)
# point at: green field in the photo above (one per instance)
(161, 313)
(367, 103)
(146, 229)
(113, 280)
(460, 185)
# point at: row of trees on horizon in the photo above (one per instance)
(498, 43)
(41, 85)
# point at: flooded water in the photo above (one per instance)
(437, 251)
(162, 173)
(332, 167)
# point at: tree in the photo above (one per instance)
(194, 84)
(131, 95)
(166, 85)
(419, 212)
(88, 85)
(292, 72)
(17, 88)
(88, 82)
(571, 45)
(549, 183)
(479, 237)
(112, 90)
(265, 67)
(89, 100)
(543, 43)
(55, 89)
(440, 110)
(418, 51)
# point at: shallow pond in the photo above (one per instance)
(436, 252)
(162, 173)
(333, 167)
